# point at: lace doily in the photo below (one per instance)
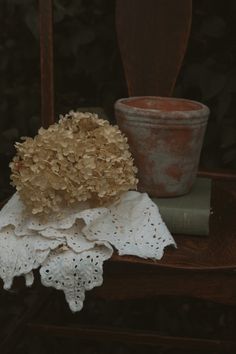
(70, 251)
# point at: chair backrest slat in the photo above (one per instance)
(152, 36)
(46, 60)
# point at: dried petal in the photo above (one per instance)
(79, 158)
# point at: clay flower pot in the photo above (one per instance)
(165, 137)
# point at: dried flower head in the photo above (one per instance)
(79, 158)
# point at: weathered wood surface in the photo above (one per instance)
(138, 337)
(152, 37)
(46, 61)
(200, 268)
(215, 252)
(206, 261)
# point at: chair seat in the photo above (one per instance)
(201, 267)
(217, 251)
(197, 268)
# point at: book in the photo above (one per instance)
(190, 213)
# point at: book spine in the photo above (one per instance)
(186, 221)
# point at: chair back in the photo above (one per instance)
(152, 37)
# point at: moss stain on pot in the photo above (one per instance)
(165, 136)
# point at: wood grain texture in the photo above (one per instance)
(203, 268)
(130, 336)
(46, 61)
(18, 326)
(218, 287)
(215, 252)
(152, 37)
(199, 268)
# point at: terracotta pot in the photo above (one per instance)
(165, 137)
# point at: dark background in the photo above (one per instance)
(88, 70)
(88, 73)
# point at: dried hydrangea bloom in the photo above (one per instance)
(79, 158)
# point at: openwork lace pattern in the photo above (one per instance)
(70, 251)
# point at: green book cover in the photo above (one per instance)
(188, 214)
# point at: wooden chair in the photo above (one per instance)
(202, 268)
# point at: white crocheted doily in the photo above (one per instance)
(70, 252)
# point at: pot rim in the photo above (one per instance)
(203, 110)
